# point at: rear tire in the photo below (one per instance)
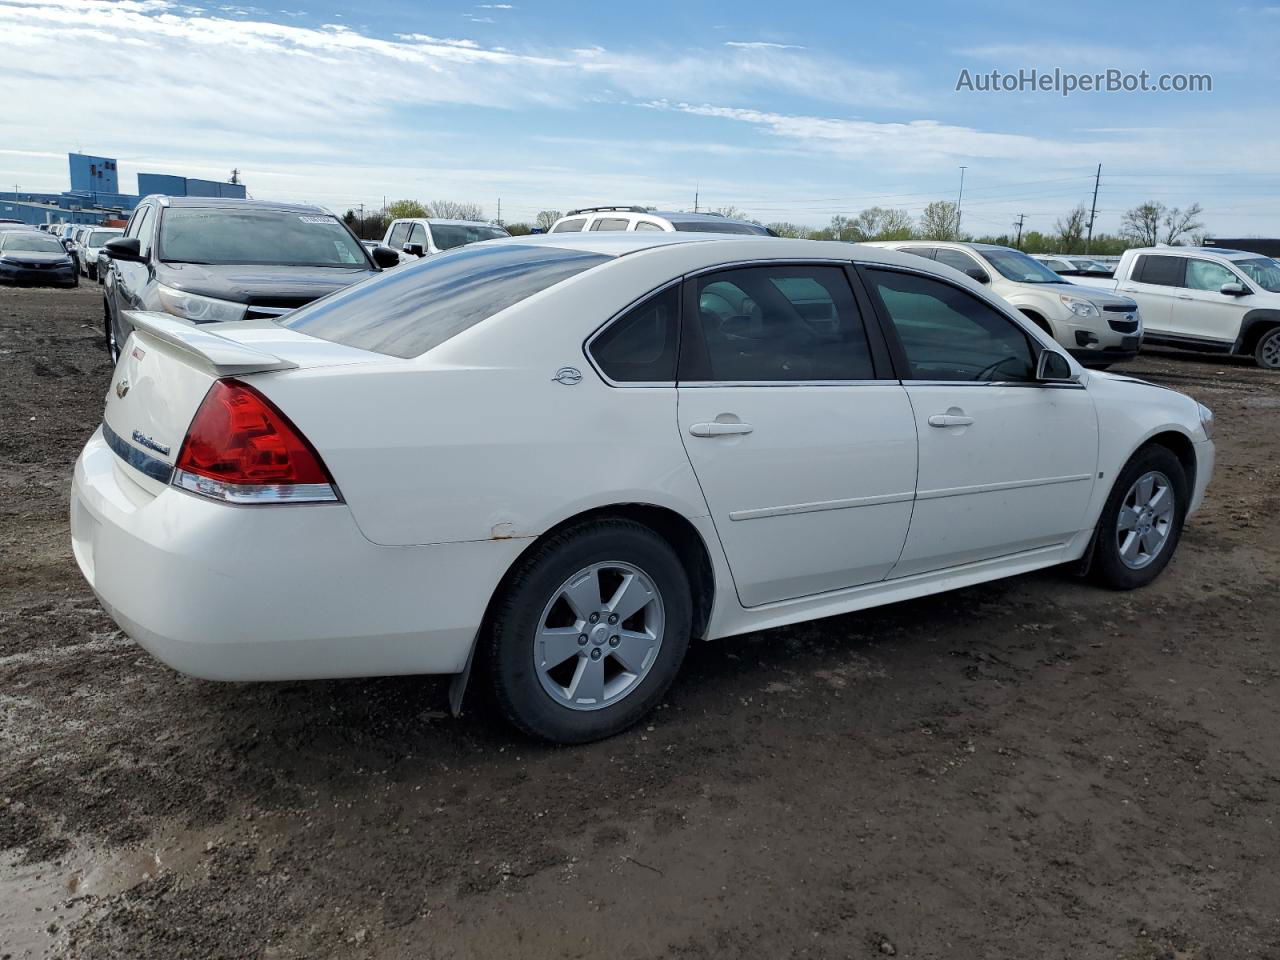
(1141, 522)
(562, 667)
(1266, 353)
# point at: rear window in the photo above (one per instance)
(408, 311)
(1161, 271)
(712, 226)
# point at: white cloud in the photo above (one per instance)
(761, 45)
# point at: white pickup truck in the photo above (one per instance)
(422, 236)
(1205, 298)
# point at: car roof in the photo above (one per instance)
(715, 247)
(232, 203)
(461, 223)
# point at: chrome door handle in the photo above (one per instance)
(718, 429)
(949, 420)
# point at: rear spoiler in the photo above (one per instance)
(225, 357)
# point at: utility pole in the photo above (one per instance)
(959, 200)
(362, 236)
(1093, 211)
(235, 175)
(696, 188)
(1022, 217)
(499, 211)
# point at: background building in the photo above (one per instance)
(95, 193)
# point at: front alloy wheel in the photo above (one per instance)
(1267, 352)
(588, 631)
(1141, 521)
(1145, 520)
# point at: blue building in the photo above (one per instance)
(95, 194)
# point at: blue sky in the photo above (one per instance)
(787, 111)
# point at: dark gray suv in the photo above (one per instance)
(209, 260)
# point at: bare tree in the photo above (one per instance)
(1142, 224)
(940, 221)
(546, 218)
(1071, 229)
(894, 225)
(455, 210)
(786, 229)
(1178, 222)
(845, 229)
(730, 212)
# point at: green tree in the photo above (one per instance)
(404, 210)
(518, 229)
(786, 229)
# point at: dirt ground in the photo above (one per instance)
(1028, 769)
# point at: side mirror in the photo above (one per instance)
(124, 248)
(385, 257)
(416, 249)
(977, 273)
(1233, 289)
(1053, 367)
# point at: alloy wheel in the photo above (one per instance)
(1269, 351)
(1145, 520)
(599, 635)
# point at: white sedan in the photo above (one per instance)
(562, 457)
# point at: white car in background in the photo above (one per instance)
(1208, 299)
(641, 219)
(564, 456)
(419, 237)
(1098, 328)
(89, 243)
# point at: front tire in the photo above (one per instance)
(109, 335)
(1142, 520)
(1266, 353)
(589, 631)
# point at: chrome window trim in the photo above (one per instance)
(771, 262)
(1042, 384)
(704, 384)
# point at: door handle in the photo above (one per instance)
(718, 429)
(949, 420)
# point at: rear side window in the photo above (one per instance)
(777, 324)
(647, 225)
(569, 226)
(1162, 271)
(959, 261)
(926, 252)
(640, 346)
(611, 223)
(409, 311)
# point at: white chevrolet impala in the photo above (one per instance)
(560, 458)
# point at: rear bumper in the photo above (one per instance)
(273, 593)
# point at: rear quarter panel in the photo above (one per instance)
(477, 441)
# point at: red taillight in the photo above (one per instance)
(241, 448)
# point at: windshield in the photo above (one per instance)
(99, 237)
(221, 235)
(450, 235)
(408, 311)
(1018, 267)
(30, 243)
(1263, 271)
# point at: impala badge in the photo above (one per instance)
(122, 388)
(568, 376)
(142, 440)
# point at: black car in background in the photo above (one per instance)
(210, 260)
(29, 256)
